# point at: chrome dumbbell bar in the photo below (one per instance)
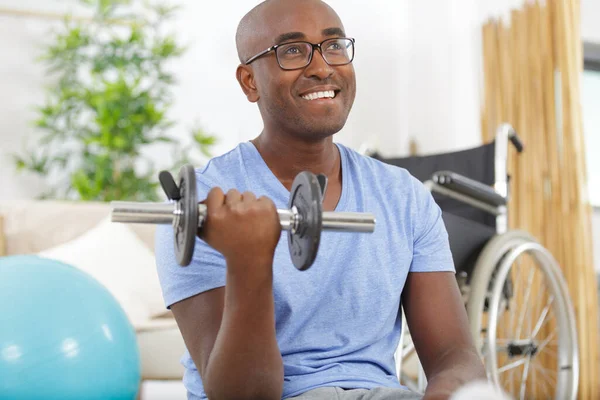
(168, 213)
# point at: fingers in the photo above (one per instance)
(225, 209)
(215, 198)
(233, 197)
(214, 201)
(266, 201)
(248, 196)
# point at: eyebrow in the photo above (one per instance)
(289, 36)
(333, 32)
(299, 35)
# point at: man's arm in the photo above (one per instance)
(230, 334)
(437, 319)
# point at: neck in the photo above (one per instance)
(287, 156)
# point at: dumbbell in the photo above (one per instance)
(304, 220)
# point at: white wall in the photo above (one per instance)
(21, 81)
(590, 31)
(590, 14)
(427, 87)
(424, 87)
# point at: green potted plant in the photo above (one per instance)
(108, 104)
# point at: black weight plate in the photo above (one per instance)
(306, 197)
(185, 231)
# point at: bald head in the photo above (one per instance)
(253, 30)
(282, 95)
(246, 28)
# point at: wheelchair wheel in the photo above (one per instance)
(522, 319)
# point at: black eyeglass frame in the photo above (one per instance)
(317, 46)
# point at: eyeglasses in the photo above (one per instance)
(296, 55)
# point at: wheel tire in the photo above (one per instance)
(486, 264)
(498, 258)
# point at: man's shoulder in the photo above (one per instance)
(223, 169)
(376, 171)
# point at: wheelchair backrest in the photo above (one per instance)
(475, 163)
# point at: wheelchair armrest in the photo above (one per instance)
(468, 187)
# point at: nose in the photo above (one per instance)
(318, 68)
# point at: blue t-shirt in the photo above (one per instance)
(338, 323)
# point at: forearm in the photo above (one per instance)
(245, 361)
(452, 371)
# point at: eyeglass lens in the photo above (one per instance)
(297, 54)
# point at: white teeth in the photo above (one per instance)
(329, 94)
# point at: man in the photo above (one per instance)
(254, 326)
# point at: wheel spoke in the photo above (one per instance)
(514, 374)
(524, 378)
(542, 318)
(512, 365)
(512, 380)
(546, 341)
(548, 318)
(534, 310)
(542, 385)
(545, 372)
(516, 288)
(550, 351)
(533, 382)
(525, 303)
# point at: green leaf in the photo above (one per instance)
(165, 11)
(164, 139)
(108, 100)
(20, 163)
(166, 48)
(206, 151)
(205, 140)
(42, 122)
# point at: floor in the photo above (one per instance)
(163, 390)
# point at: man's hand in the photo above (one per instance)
(242, 228)
(439, 327)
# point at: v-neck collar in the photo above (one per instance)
(282, 190)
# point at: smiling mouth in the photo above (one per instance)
(327, 94)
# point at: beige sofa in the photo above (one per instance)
(29, 227)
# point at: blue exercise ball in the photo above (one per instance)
(62, 335)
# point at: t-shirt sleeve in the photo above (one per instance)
(431, 249)
(205, 272)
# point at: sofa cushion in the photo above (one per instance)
(31, 226)
(161, 348)
(117, 258)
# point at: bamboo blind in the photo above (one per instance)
(532, 70)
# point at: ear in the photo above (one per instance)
(245, 77)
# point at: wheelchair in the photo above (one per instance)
(519, 310)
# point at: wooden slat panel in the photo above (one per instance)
(532, 74)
